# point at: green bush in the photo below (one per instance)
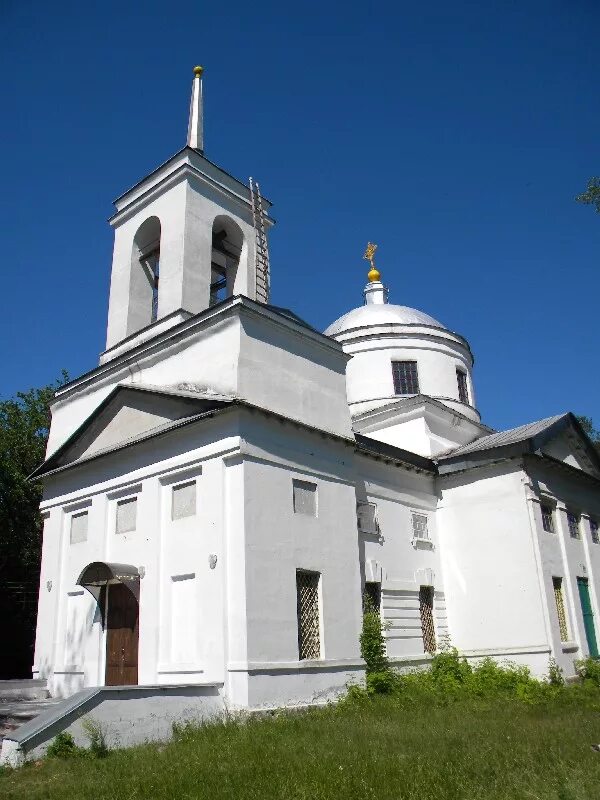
(449, 665)
(555, 674)
(589, 670)
(372, 643)
(381, 682)
(62, 746)
(490, 678)
(96, 737)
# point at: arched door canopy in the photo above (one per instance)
(101, 573)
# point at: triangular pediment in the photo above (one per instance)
(560, 438)
(128, 414)
(570, 446)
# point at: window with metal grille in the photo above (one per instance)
(184, 500)
(126, 515)
(573, 523)
(427, 624)
(547, 517)
(372, 597)
(79, 527)
(305, 497)
(307, 610)
(419, 526)
(406, 377)
(463, 391)
(560, 609)
(594, 531)
(367, 517)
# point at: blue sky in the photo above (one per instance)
(455, 135)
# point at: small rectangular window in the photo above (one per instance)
(307, 610)
(305, 498)
(126, 515)
(79, 527)
(427, 624)
(372, 597)
(573, 523)
(594, 531)
(547, 517)
(367, 517)
(406, 377)
(560, 609)
(183, 502)
(463, 391)
(419, 526)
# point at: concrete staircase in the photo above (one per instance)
(21, 701)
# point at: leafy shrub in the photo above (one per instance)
(449, 665)
(381, 682)
(589, 670)
(372, 643)
(555, 674)
(62, 746)
(490, 678)
(355, 694)
(96, 736)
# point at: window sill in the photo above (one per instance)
(568, 647)
(422, 544)
(179, 668)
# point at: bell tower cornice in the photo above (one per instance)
(186, 163)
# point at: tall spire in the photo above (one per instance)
(195, 137)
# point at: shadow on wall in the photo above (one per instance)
(18, 616)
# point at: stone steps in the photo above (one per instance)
(21, 701)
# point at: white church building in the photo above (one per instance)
(225, 486)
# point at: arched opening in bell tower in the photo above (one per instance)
(145, 271)
(226, 252)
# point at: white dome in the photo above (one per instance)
(381, 314)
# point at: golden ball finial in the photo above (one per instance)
(198, 71)
(374, 275)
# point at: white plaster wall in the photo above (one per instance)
(393, 559)
(277, 543)
(409, 434)
(265, 361)
(186, 568)
(244, 612)
(491, 573)
(294, 375)
(566, 557)
(562, 448)
(162, 547)
(208, 357)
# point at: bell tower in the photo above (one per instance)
(185, 238)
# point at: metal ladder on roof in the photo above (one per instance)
(263, 274)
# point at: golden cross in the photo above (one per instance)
(370, 254)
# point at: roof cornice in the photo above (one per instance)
(238, 304)
(360, 444)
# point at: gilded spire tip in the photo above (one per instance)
(198, 71)
(373, 275)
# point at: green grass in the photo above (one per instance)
(398, 746)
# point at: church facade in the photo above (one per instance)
(227, 485)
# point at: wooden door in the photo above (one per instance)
(588, 616)
(121, 637)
